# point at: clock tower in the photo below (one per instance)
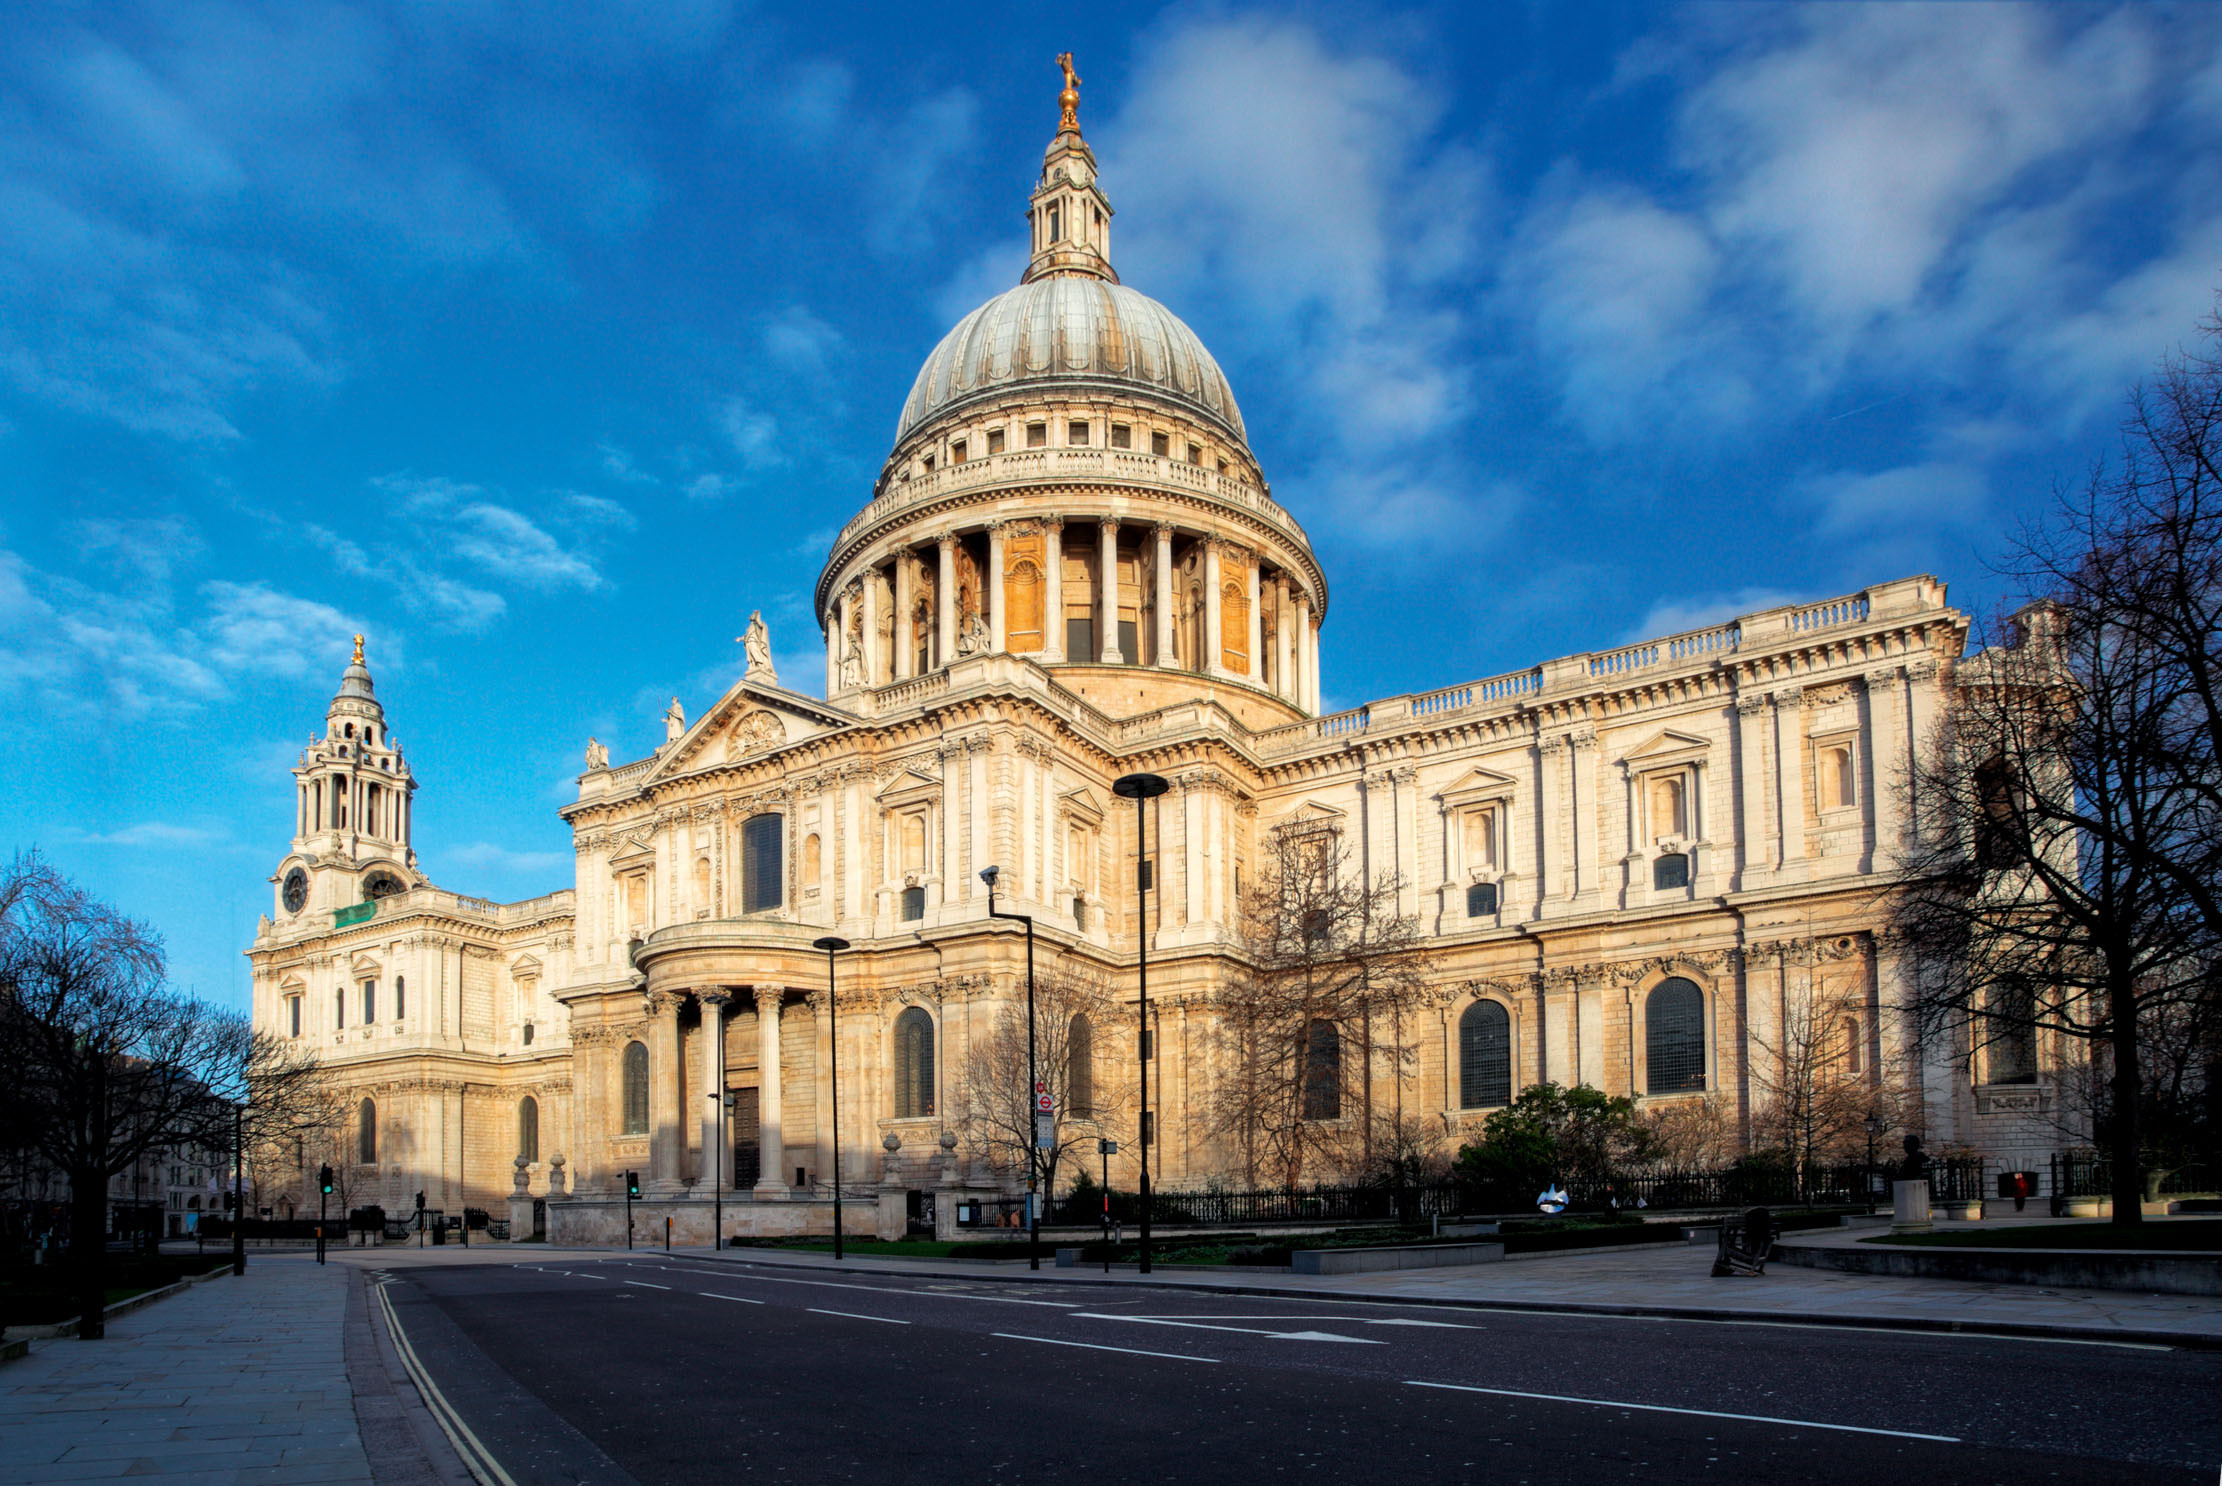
(353, 797)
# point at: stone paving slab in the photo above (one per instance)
(241, 1379)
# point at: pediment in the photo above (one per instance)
(293, 984)
(524, 967)
(1082, 805)
(908, 784)
(1311, 816)
(1665, 747)
(361, 966)
(1476, 786)
(632, 855)
(750, 720)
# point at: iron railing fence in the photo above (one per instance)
(2089, 1174)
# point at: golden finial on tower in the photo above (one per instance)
(1068, 102)
(358, 650)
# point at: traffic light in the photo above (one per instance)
(324, 1180)
(420, 1202)
(632, 1184)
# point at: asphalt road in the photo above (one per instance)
(675, 1370)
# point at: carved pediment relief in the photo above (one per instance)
(751, 719)
(362, 966)
(524, 967)
(907, 787)
(632, 855)
(753, 732)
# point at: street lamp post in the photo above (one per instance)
(1875, 1127)
(238, 1189)
(1033, 1085)
(1141, 788)
(832, 945)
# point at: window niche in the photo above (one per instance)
(1835, 775)
(1476, 815)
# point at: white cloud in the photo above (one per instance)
(486, 856)
(467, 547)
(1684, 612)
(1920, 495)
(618, 465)
(149, 833)
(753, 433)
(253, 629)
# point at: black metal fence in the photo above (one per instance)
(2089, 1174)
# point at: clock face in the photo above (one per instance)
(296, 890)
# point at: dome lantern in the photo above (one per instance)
(1070, 217)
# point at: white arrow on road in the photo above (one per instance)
(1294, 1336)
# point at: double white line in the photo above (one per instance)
(477, 1458)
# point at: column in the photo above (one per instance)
(995, 587)
(1192, 849)
(954, 884)
(906, 644)
(1284, 641)
(1165, 652)
(1408, 838)
(667, 1138)
(711, 1092)
(1257, 620)
(1754, 831)
(945, 599)
(1053, 589)
(1789, 772)
(1582, 765)
(1214, 646)
(1107, 590)
(772, 1174)
(1302, 678)
(1311, 662)
(871, 627)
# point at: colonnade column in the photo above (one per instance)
(906, 648)
(1107, 590)
(1214, 647)
(945, 599)
(715, 1161)
(1311, 669)
(1284, 641)
(997, 641)
(1165, 655)
(1304, 641)
(771, 1179)
(871, 627)
(1257, 619)
(827, 1159)
(1053, 589)
(667, 1128)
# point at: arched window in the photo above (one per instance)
(1852, 1049)
(636, 1088)
(1996, 840)
(1674, 1037)
(914, 1064)
(762, 873)
(366, 1132)
(913, 904)
(1484, 1056)
(1322, 1072)
(1481, 899)
(813, 860)
(2012, 1013)
(528, 1128)
(1080, 1073)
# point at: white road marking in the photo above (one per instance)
(1013, 1336)
(768, 1279)
(854, 1316)
(713, 1295)
(1660, 1408)
(1447, 1325)
(646, 1286)
(1294, 1336)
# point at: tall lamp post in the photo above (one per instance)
(238, 1188)
(1141, 788)
(832, 945)
(1034, 1090)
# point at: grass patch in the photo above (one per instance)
(2177, 1236)
(43, 1294)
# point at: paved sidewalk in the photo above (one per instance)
(1668, 1281)
(240, 1379)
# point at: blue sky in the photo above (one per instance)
(542, 350)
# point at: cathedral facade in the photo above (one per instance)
(1639, 869)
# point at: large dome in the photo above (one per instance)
(1071, 331)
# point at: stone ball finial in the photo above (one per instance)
(891, 1143)
(948, 1140)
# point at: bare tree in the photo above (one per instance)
(1691, 1134)
(1075, 1042)
(1322, 1000)
(2066, 870)
(1818, 1087)
(107, 1064)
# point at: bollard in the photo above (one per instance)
(667, 1235)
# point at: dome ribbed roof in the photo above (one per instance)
(1074, 329)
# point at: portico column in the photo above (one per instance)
(906, 644)
(668, 1140)
(1311, 645)
(711, 1090)
(996, 642)
(1165, 655)
(1257, 619)
(771, 1180)
(945, 599)
(1107, 590)
(1053, 580)
(821, 1038)
(1304, 697)
(1214, 647)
